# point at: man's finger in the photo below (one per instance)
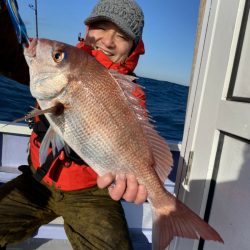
(116, 191)
(132, 188)
(105, 180)
(142, 195)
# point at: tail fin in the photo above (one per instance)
(179, 221)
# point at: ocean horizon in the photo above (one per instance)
(166, 103)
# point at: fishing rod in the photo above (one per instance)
(17, 22)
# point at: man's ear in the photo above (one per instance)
(86, 31)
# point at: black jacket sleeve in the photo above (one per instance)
(12, 61)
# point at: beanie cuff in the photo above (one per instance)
(118, 23)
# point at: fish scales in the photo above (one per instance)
(101, 126)
(105, 126)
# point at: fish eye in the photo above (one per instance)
(58, 56)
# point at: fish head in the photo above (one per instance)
(51, 64)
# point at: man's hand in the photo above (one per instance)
(123, 186)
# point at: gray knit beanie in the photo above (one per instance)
(126, 14)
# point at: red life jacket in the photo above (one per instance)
(65, 173)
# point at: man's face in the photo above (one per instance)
(108, 38)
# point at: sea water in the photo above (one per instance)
(166, 103)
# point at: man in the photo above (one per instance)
(67, 188)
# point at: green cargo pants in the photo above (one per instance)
(92, 220)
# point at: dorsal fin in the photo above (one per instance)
(162, 155)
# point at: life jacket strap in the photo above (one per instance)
(43, 170)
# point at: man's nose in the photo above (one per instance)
(108, 39)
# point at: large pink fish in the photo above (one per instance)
(94, 112)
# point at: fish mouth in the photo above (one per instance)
(39, 78)
(44, 96)
(30, 51)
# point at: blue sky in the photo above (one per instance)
(169, 32)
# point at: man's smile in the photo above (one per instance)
(107, 53)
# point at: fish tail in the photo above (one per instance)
(178, 220)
